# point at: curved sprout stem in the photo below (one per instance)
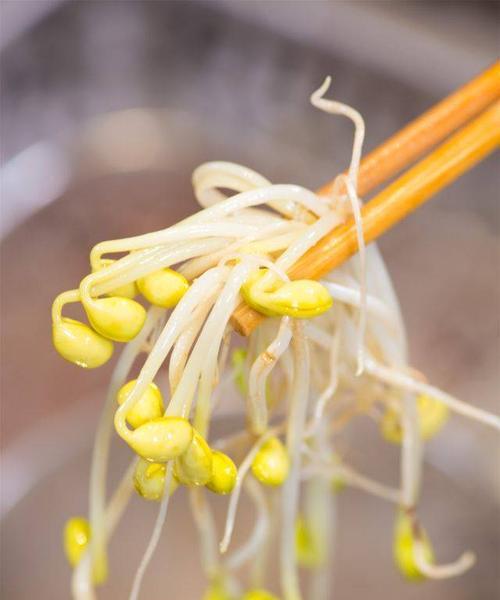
(256, 399)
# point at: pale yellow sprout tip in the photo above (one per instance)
(224, 474)
(194, 466)
(162, 439)
(321, 91)
(404, 545)
(271, 464)
(149, 480)
(148, 407)
(119, 319)
(79, 344)
(163, 288)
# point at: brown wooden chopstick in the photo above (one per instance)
(409, 191)
(433, 126)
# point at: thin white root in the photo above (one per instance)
(155, 537)
(401, 380)
(352, 478)
(81, 581)
(260, 531)
(205, 523)
(235, 494)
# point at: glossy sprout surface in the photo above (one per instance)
(333, 351)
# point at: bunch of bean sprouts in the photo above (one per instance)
(302, 380)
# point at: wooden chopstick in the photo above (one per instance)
(427, 130)
(426, 178)
(440, 168)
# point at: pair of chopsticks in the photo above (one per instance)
(474, 141)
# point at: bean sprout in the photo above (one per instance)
(302, 382)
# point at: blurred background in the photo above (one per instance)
(106, 108)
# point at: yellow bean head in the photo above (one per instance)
(403, 547)
(258, 594)
(163, 288)
(432, 416)
(80, 344)
(224, 474)
(149, 406)
(271, 463)
(161, 439)
(116, 318)
(302, 299)
(128, 290)
(194, 466)
(76, 538)
(149, 480)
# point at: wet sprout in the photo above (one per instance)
(127, 290)
(163, 288)
(116, 318)
(75, 341)
(194, 465)
(148, 407)
(149, 480)
(161, 439)
(335, 352)
(301, 299)
(224, 474)
(79, 344)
